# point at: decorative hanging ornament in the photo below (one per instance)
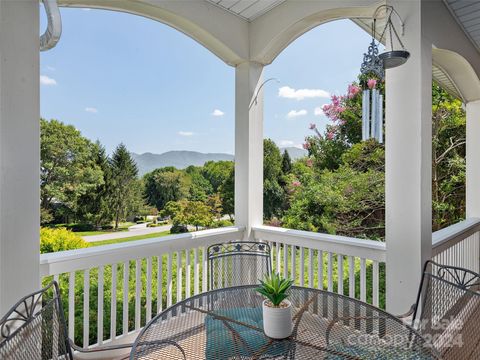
(373, 73)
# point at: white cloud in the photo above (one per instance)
(318, 111)
(217, 112)
(91, 110)
(300, 94)
(286, 143)
(296, 113)
(185, 133)
(45, 80)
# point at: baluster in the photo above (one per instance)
(293, 263)
(169, 280)
(310, 268)
(204, 270)
(71, 305)
(320, 269)
(188, 292)
(138, 292)
(330, 272)
(340, 274)
(375, 283)
(126, 277)
(148, 313)
(285, 260)
(113, 303)
(179, 276)
(196, 271)
(100, 306)
(363, 280)
(351, 276)
(159, 283)
(86, 308)
(302, 267)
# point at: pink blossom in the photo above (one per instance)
(296, 183)
(371, 83)
(352, 91)
(312, 126)
(306, 145)
(309, 162)
(330, 135)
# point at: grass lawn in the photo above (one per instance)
(131, 238)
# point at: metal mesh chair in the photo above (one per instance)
(238, 263)
(35, 328)
(447, 311)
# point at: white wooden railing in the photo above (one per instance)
(126, 283)
(458, 245)
(113, 290)
(361, 261)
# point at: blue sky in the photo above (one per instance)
(122, 78)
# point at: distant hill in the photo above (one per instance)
(181, 159)
(295, 153)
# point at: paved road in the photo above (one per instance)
(133, 231)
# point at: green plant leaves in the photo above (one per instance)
(274, 287)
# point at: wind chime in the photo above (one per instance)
(373, 73)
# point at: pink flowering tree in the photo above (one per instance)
(344, 113)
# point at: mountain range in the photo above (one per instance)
(181, 159)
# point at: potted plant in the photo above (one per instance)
(277, 309)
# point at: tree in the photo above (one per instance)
(273, 193)
(227, 194)
(185, 212)
(217, 172)
(286, 163)
(200, 188)
(94, 205)
(68, 169)
(448, 159)
(164, 185)
(124, 174)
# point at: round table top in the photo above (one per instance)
(228, 324)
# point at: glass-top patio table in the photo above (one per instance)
(227, 324)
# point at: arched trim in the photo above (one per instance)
(460, 72)
(226, 36)
(274, 31)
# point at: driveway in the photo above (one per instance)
(132, 231)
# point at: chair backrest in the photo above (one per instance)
(238, 263)
(449, 311)
(34, 328)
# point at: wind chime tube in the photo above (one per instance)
(373, 129)
(365, 114)
(380, 119)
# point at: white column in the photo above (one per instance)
(248, 146)
(408, 163)
(473, 159)
(19, 150)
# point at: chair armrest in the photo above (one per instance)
(408, 313)
(99, 348)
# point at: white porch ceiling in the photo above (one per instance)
(467, 14)
(248, 10)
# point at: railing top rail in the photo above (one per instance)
(71, 260)
(453, 234)
(364, 248)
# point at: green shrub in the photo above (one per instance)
(221, 223)
(178, 229)
(53, 240)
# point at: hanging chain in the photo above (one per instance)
(391, 27)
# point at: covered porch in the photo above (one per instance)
(247, 35)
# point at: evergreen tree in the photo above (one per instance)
(124, 175)
(286, 163)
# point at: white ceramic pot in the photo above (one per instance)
(277, 321)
